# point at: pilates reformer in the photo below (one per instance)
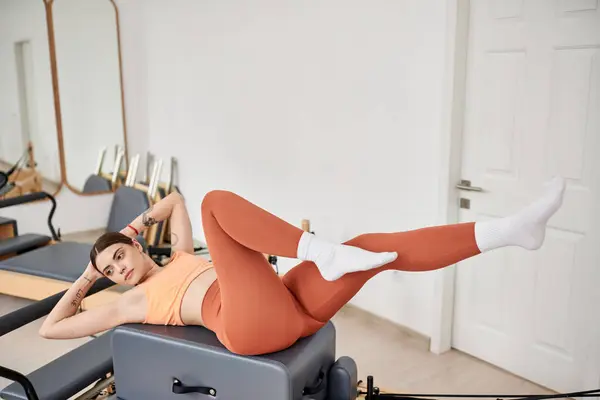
(11, 242)
(175, 360)
(153, 362)
(150, 362)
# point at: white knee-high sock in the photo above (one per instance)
(527, 228)
(335, 260)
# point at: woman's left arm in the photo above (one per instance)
(172, 207)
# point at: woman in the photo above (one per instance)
(239, 296)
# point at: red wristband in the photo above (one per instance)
(135, 230)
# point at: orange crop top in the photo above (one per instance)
(165, 290)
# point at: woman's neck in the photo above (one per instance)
(153, 270)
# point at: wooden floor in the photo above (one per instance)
(398, 360)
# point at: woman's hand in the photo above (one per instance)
(91, 274)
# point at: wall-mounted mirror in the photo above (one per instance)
(91, 99)
(28, 132)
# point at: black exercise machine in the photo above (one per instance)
(374, 393)
(18, 244)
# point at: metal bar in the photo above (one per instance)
(132, 172)
(117, 167)
(26, 198)
(93, 392)
(22, 380)
(149, 166)
(171, 173)
(55, 236)
(29, 198)
(370, 389)
(101, 156)
(397, 396)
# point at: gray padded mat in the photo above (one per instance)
(68, 374)
(95, 183)
(64, 261)
(21, 243)
(128, 203)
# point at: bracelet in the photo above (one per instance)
(135, 230)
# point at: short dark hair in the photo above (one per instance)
(107, 240)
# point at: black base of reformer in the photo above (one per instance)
(373, 393)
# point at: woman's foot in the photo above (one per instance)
(336, 260)
(525, 229)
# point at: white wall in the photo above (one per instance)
(90, 89)
(327, 110)
(132, 22)
(25, 20)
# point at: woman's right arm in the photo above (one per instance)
(63, 322)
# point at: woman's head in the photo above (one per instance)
(120, 258)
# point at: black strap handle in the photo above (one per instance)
(180, 388)
(317, 387)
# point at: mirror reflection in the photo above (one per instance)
(28, 135)
(89, 75)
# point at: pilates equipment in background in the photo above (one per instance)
(23, 177)
(36, 266)
(11, 242)
(100, 181)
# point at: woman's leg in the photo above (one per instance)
(261, 231)
(248, 307)
(424, 250)
(419, 250)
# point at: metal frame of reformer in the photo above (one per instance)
(18, 318)
(372, 392)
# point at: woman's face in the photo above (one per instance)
(123, 264)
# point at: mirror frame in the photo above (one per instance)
(50, 36)
(57, 108)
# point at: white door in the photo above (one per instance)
(533, 111)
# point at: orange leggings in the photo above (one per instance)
(254, 311)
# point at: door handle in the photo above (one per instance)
(466, 185)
